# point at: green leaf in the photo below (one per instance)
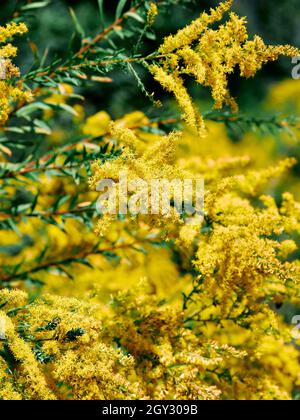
(120, 8)
(51, 326)
(136, 17)
(119, 33)
(42, 357)
(13, 312)
(3, 304)
(77, 24)
(101, 12)
(27, 110)
(68, 109)
(42, 128)
(60, 202)
(13, 227)
(23, 207)
(37, 5)
(84, 261)
(73, 334)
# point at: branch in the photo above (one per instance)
(33, 166)
(70, 260)
(39, 214)
(106, 31)
(87, 47)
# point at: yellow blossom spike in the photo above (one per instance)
(191, 33)
(152, 13)
(211, 56)
(174, 84)
(8, 92)
(12, 29)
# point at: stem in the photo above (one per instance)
(106, 31)
(87, 47)
(69, 260)
(47, 213)
(42, 169)
(32, 166)
(96, 63)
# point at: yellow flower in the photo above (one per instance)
(210, 56)
(152, 13)
(8, 92)
(97, 125)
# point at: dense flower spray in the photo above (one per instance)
(8, 91)
(210, 56)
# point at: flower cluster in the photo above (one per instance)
(210, 56)
(58, 340)
(155, 162)
(9, 92)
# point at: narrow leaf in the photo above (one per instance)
(77, 24)
(120, 8)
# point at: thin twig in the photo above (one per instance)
(69, 260)
(87, 47)
(33, 165)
